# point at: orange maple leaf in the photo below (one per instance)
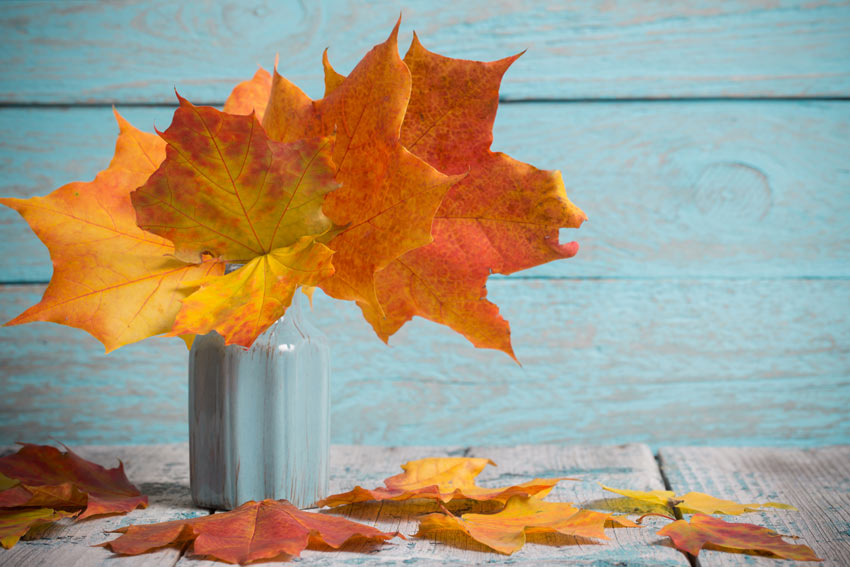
(506, 531)
(388, 197)
(443, 479)
(252, 532)
(110, 277)
(227, 190)
(504, 216)
(46, 477)
(713, 533)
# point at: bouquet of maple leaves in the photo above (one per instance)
(384, 192)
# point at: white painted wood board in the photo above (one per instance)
(815, 480)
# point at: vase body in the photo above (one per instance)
(259, 418)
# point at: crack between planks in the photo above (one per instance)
(502, 100)
(497, 279)
(184, 549)
(659, 462)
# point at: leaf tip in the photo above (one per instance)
(123, 124)
(567, 249)
(510, 352)
(10, 202)
(393, 39)
(416, 43)
(184, 103)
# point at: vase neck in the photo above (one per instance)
(293, 312)
(295, 308)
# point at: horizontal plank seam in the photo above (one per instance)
(732, 98)
(495, 279)
(683, 277)
(502, 100)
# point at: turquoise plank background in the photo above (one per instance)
(709, 144)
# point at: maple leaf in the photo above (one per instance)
(388, 196)
(504, 216)
(250, 96)
(443, 479)
(240, 305)
(506, 531)
(227, 190)
(43, 476)
(252, 532)
(707, 531)
(110, 278)
(14, 524)
(694, 502)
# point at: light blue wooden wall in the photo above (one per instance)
(708, 142)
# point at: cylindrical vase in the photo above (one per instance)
(259, 418)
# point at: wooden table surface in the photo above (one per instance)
(816, 481)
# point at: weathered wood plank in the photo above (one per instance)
(160, 471)
(628, 465)
(138, 51)
(605, 361)
(816, 481)
(753, 189)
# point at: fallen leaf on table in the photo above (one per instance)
(50, 478)
(695, 502)
(39, 478)
(15, 523)
(713, 533)
(252, 532)
(506, 530)
(444, 479)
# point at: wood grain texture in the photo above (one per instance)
(747, 189)
(816, 481)
(160, 471)
(754, 362)
(631, 465)
(59, 52)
